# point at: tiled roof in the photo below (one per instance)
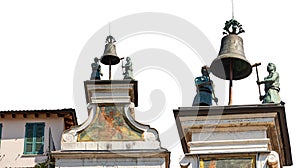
(68, 114)
(40, 111)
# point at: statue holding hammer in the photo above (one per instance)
(271, 86)
(128, 74)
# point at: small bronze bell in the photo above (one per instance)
(110, 55)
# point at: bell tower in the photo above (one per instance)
(111, 137)
(249, 136)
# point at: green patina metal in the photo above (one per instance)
(233, 27)
(271, 85)
(205, 91)
(96, 70)
(128, 74)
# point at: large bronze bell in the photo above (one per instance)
(109, 56)
(231, 61)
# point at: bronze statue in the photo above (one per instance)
(128, 74)
(96, 70)
(271, 86)
(205, 92)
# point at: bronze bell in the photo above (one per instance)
(231, 59)
(231, 63)
(110, 55)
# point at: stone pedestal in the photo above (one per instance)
(253, 136)
(111, 137)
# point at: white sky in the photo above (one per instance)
(41, 41)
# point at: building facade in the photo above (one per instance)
(27, 136)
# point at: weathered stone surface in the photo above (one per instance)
(111, 137)
(234, 131)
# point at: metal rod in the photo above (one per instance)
(232, 4)
(109, 72)
(256, 65)
(109, 28)
(230, 84)
(109, 69)
(258, 80)
(122, 65)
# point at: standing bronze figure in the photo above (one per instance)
(128, 74)
(271, 85)
(205, 92)
(96, 70)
